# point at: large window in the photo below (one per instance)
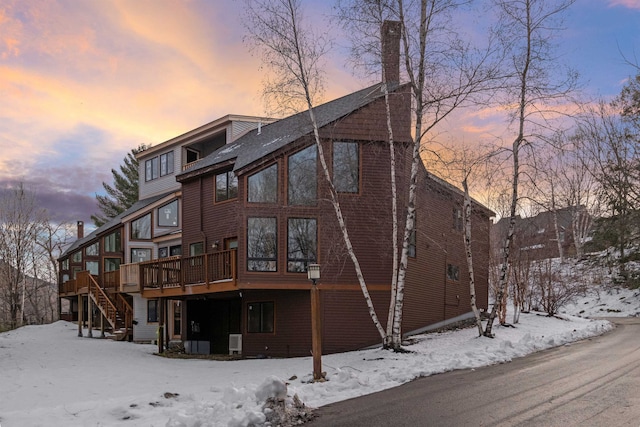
(263, 186)
(302, 177)
(140, 255)
(226, 186)
(92, 250)
(76, 257)
(262, 246)
(260, 317)
(346, 167)
(152, 311)
(168, 215)
(65, 264)
(141, 228)
(302, 243)
(111, 264)
(166, 163)
(92, 267)
(113, 242)
(151, 169)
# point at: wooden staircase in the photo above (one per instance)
(118, 313)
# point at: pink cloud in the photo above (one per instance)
(631, 4)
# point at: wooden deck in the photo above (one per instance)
(167, 277)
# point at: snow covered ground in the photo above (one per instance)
(51, 377)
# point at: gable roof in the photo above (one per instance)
(257, 144)
(112, 223)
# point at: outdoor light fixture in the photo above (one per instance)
(313, 272)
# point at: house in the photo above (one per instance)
(537, 237)
(254, 212)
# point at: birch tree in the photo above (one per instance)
(294, 53)
(526, 29)
(443, 71)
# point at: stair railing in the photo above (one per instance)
(103, 302)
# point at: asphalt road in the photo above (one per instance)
(595, 382)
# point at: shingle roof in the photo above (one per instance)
(140, 204)
(254, 146)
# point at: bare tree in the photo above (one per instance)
(20, 222)
(526, 29)
(29, 247)
(468, 165)
(52, 240)
(578, 189)
(612, 155)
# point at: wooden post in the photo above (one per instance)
(316, 333)
(80, 308)
(89, 317)
(166, 328)
(101, 325)
(161, 325)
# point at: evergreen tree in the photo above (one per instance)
(124, 192)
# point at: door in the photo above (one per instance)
(225, 317)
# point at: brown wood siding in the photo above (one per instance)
(292, 335)
(292, 332)
(359, 331)
(429, 297)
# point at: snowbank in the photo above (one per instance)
(51, 377)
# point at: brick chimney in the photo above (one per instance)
(390, 33)
(80, 225)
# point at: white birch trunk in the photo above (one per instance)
(467, 246)
(503, 279)
(556, 229)
(388, 339)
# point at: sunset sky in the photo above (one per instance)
(83, 82)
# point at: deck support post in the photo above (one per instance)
(102, 325)
(89, 316)
(161, 325)
(166, 328)
(80, 310)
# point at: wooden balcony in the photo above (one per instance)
(71, 288)
(110, 283)
(175, 276)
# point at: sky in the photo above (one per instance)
(51, 375)
(84, 82)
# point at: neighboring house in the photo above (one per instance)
(537, 237)
(255, 212)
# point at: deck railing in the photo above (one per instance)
(69, 287)
(175, 272)
(111, 280)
